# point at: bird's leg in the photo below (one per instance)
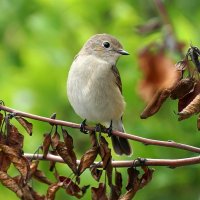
(82, 128)
(98, 128)
(109, 129)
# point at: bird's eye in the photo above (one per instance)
(106, 44)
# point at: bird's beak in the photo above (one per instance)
(122, 51)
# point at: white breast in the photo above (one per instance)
(92, 90)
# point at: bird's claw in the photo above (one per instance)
(82, 128)
(109, 130)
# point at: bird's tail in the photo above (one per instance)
(120, 145)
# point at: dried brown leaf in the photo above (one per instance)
(155, 104)
(10, 183)
(96, 173)
(93, 138)
(27, 125)
(105, 151)
(183, 87)
(184, 102)
(19, 161)
(14, 138)
(33, 167)
(115, 192)
(87, 159)
(191, 109)
(55, 139)
(71, 188)
(158, 71)
(133, 174)
(118, 179)
(99, 193)
(135, 183)
(116, 189)
(67, 155)
(146, 177)
(53, 188)
(46, 144)
(67, 139)
(1, 119)
(181, 65)
(4, 160)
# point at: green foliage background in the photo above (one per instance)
(38, 40)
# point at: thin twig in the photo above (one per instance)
(137, 162)
(143, 140)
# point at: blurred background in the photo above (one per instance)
(38, 41)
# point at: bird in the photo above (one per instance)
(94, 86)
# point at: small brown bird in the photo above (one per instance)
(94, 86)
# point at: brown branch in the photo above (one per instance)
(137, 162)
(143, 140)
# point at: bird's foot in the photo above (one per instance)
(82, 128)
(109, 129)
(99, 128)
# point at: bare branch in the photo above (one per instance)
(137, 162)
(143, 140)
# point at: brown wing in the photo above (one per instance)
(117, 76)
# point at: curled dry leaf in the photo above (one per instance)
(4, 160)
(14, 138)
(27, 125)
(116, 189)
(72, 188)
(19, 161)
(133, 174)
(155, 104)
(191, 109)
(11, 184)
(1, 119)
(55, 139)
(93, 138)
(183, 87)
(135, 183)
(99, 193)
(118, 179)
(96, 173)
(67, 139)
(67, 155)
(33, 167)
(181, 65)
(88, 159)
(51, 192)
(146, 177)
(105, 153)
(158, 71)
(46, 144)
(184, 102)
